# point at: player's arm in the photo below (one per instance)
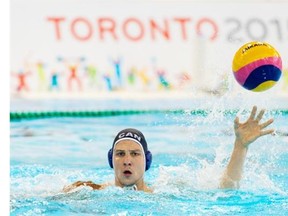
(82, 183)
(245, 134)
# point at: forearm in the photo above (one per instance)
(233, 172)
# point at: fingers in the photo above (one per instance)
(270, 131)
(78, 184)
(236, 122)
(253, 113)
(260, 115)
(265, 124)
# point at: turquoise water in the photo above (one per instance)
(189, 155)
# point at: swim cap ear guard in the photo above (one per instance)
(148, 158)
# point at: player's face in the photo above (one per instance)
(128, 163)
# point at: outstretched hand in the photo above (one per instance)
(245, 133)
(252, 129)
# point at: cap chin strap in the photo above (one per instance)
(131, 187)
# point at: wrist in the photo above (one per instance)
(239, 145)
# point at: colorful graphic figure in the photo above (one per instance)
(161, 74)
(184, 80)
(92, 75)
(117, 69)
(54, 81)
(22, 83)
(144, 77)
(162, 79)
(73, 76)
(138, 78)
(131, 75)
(73, 72)
(42, 84)
(107, 79)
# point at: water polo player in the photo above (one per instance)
(130, 158)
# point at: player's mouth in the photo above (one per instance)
(127, 173)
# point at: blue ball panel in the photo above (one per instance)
(262, 74)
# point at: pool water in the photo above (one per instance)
(189, 151)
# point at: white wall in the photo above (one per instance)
(223, 26)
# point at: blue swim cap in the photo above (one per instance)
(131, 134)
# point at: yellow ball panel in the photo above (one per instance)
(251, 52)
(264, 86)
